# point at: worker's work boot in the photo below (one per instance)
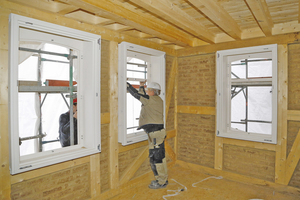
(156, 185)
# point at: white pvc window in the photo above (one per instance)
(39, 52)
(136, 63)
(247, 93)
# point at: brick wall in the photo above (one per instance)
(249, 161)
(104, 155)
(293, 103)
(72, 183)
(196, 78)
(196, 139)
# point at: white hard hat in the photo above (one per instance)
(153, 85)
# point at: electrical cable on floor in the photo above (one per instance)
(176, 192)
(219, 177)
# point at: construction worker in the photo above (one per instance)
(64, 126)
(152, 122)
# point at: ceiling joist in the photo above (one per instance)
(118, 12)
(170, 12)
(262, 15)
(219, 16)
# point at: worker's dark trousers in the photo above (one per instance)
(157, 155)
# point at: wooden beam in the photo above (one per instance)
(219, 16)
(167, 10)
(293, 159)
(280, 161)
(170, 86)
(201, 110)
(128, 16)
(218, 153)
(170, 151)
(171, 134)
(95, 175)
(132, 146)
(113, 109)
(278, 39)
(293, 115)
(134, 166)
(261, 13)
(105, 118)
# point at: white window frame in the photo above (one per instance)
(155, 73)
(223, 96)
(89, 115)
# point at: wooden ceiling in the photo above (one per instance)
(181, 23)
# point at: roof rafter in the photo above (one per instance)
(219, 16)
(262, 15)
(170, 12)
(134, 18)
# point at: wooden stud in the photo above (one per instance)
(170, 151)
(95, 175)
(171, 134)
(293, 159)
(132, 146)
(134, 166)
(175, 113)
(293, 115)
(170, 86)
(105, 118)
(113, 128)
(218, 153)
(280, 161)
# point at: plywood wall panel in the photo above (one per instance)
(196, 78)
(293, 77)
(196, 139)
(72, 183)
(249, 162)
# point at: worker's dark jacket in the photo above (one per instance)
(64, 129)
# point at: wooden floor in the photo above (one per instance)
(192, 185)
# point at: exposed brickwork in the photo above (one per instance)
(196, 75)
(104, 158)
(293, 128)
(249, 161)
(293, 77)
(72, 183)
(105, 76)
(127, 157)
(196, 139)
(295, 180)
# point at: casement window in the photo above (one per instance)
(50, 66)
(136, 63)
(247, 93)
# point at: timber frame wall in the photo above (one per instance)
(190, 120)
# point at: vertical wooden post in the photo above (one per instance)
(218, 153)
(280, 162)
(113, 126)
(175, 111)
(95, 175)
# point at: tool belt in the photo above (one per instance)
(148, 128)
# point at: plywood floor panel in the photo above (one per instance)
(207, 187)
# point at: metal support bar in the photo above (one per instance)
(46, 52)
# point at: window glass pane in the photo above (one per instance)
(238, 70)
(238, 108)
(259, 68)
